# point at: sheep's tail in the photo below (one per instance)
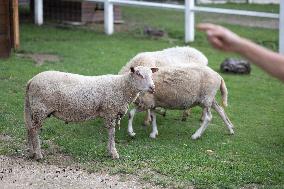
(27, 110)
(224, 93)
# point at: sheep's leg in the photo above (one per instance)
(34, 141)
(154, 132)
(28, 124)
(147, 119)
(30, 143)
(33, 124)
(204, 124)
(224, 117)
(185, 114)
(203, 115)
(130, 122)
(111, 140)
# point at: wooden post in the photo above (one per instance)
(108, 17)
(5, 44)
(15, 24)
(38, 12)
(189, 21)
(281, 28)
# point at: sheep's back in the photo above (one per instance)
(181, 55)
(65, 90)
(145, 59)
(184, 86)
(175, 57)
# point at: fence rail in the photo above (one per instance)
(236, 12)
(189, 9)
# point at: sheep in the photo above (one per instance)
(176, 56)
(182, 88)
(75, 98)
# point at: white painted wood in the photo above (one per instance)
(189, 21)
(149, 4)
(38, 12)
(189, 8)
(144, 4)
(235, 12)
(281, 28)
(108, 17)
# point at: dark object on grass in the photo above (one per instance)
(153, 32)
(233, 65)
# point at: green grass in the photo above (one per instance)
(253, 156)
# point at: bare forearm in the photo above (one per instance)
(271, 62)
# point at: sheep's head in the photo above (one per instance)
(142, 76)
(145, 101)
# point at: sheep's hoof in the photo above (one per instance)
(146, 123)
(153, 135)
(194, 137)
(115, 156)
(132, 134)
(38, 156)
(232, 132)
(31, 153)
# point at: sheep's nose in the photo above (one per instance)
(152, 89)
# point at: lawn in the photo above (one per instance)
(254, 156)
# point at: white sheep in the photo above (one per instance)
(74, 98)
(182, 88)
(176, 56)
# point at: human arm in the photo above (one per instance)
(225, 40)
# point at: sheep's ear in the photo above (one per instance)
(154, 70)
(132, 69)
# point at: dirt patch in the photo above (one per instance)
(40, 58)
(5, 137)
(56, 170)
(24, 173)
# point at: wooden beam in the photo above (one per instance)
(189, 18)
(5, 45)
(38, 6)
(15, 24)
(281, 28)
(108, 17)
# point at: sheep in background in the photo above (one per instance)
(74, 98)
(183, 88)
(176, 56)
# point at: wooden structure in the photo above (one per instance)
(189, 10)
(74, 11)
(9, 27)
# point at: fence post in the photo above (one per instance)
(38, 6)
(281, 28)
(108, 17)
(189, 20)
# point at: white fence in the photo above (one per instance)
(189, 9)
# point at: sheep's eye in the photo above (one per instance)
(140, 75)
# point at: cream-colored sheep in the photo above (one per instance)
(182, 88)
(74, 98)
(176, 56)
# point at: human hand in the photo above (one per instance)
(221, 38)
